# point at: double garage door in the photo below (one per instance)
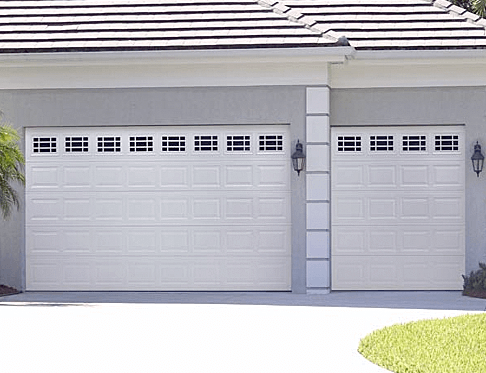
(398, 208)
(158, 208)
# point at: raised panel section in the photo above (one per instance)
(109, 176)
(397, 273)
(207, 176)
(44, 177)
(413, 176)
(239, 176)
(77, 241)
(77, 177)
(382, 176)
(175, 176)
(142, 176)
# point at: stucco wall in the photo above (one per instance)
(153, 106)
(428, 106)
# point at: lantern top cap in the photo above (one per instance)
(298, 150)
(477, 152)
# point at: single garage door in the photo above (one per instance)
(158, 208)
(398, 208)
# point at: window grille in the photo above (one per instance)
(141, 143)
(414, 143)
(76, 144)
(381, 143)
(109, 144)
(349, 144)
(270, 142)
(446, 143)
(173, 143)
(238, 143)
(44, 144)
(205, 143)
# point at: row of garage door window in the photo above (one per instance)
(169, 143)
(410, 143)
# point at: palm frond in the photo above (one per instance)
(479, 7)
(11, 165)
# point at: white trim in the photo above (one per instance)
(430, 72)
(162, 75)
(334, 54)
(169, 69)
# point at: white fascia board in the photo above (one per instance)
(461, 54)
(332, 54)
(286, 66)
(376, 69)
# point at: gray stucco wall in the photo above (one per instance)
(428, 106)
(154, 106)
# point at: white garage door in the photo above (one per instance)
(398, 208)
(158, 208)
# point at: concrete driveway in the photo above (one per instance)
(205, 332)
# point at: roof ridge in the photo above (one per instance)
(458, 11)
(295, 16)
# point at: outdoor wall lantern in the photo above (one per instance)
(298, 158)
(477, 159)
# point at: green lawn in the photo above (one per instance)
(456, 344)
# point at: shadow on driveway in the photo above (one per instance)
(431, 300)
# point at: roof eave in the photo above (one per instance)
(299, 54)
(425, 54)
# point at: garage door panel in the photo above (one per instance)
(44, 241)
(402, 176)
(398, 217)
(386, 207)
(126, 208)
(348, 176)
(153, 274)
(108, 177)
(142, 176)
(382, 208)
(158, 208)
(44, 177)
(142, 241)
(382, 176)
(44, 210)
(78, 209)
(272, 176)
(397, 273)
(401, 240)
(150, 175)
(448, 175)
(206, 176)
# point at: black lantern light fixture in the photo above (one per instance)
(298, 158)
(477, 159)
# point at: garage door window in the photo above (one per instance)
(414, 143)
(141, 143)
(76, 144)
(205, 143)
(349, 144)
(381, 143)
(109, 144)
(173, 143)
(270, 142)
(238, 143)
(44, 144)
(447, 143)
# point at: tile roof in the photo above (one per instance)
(395, 24)
(117, 25)
(106, 25)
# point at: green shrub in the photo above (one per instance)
(476, 281)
